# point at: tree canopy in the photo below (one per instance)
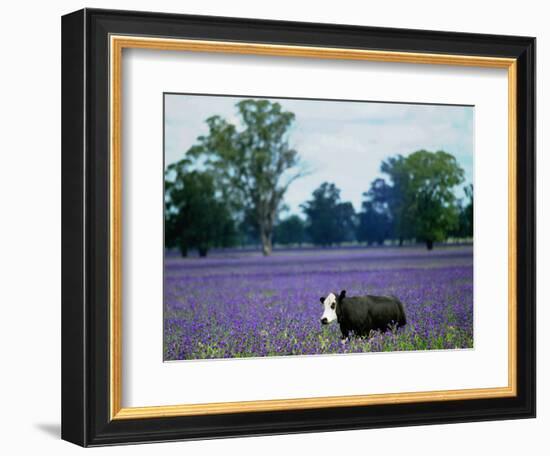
(291, 230)
(195, 214)
(465, 227)
(421, 196)
(329, 220)
(374, 224)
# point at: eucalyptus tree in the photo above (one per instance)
(253, 162)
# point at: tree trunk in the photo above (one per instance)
(429, 244)
(267, 246)
(203, 251)
(400, 242)
(183, 250)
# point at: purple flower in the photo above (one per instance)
(244, 305)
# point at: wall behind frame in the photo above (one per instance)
(30, 232)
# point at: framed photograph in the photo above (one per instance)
(269, 227)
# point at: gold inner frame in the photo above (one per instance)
(117, 44)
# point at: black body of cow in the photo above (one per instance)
(363, 314)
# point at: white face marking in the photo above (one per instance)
(329, 308)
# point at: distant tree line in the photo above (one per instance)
(416, 202)
(229, 189)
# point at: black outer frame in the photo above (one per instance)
(85, 227)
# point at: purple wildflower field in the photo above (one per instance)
(240, 304)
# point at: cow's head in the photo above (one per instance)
(330, 304)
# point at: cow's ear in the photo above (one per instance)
(322, 300)
(342, 295)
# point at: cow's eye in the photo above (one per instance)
(332, 306)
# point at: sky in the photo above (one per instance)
(339, 141)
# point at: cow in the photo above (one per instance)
(362, 314)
